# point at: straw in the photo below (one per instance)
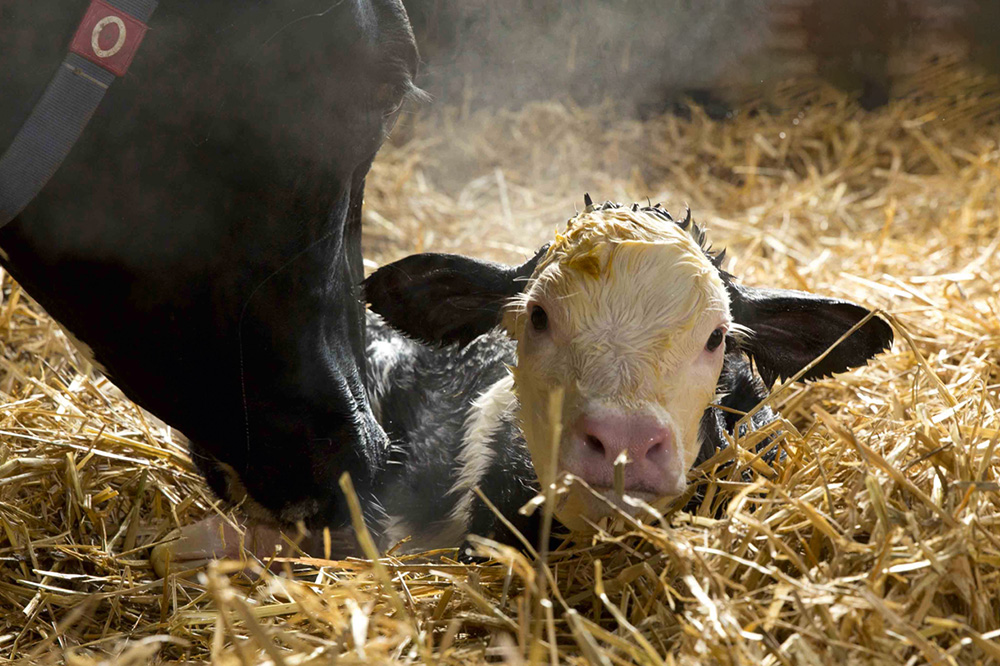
(874, 539)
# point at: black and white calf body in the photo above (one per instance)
(451, 418)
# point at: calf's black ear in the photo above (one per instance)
(445, 298)
(791, 328)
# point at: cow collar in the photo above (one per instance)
(102, 50)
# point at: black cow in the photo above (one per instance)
(203, 237)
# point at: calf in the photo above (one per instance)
(627, 314)
(203, 237)
(630, 317)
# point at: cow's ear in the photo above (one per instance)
(791, 328)
(445, 298)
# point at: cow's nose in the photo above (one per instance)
(654, 465)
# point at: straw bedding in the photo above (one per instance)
(876, 540)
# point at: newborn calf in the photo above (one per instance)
(630, 317)
(627, 315)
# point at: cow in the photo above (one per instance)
(202, 240)
(629, 316)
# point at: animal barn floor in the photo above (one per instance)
(875, 541)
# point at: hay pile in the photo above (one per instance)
(876, 540)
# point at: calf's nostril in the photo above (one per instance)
(657, 450)
(594, 444)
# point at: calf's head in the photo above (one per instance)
(628, 317)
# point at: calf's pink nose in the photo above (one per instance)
(597, 442)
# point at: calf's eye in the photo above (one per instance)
(715, 339)
(539, 320)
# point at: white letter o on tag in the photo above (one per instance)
(99, 28)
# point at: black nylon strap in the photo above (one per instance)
(56, 123)
(141, 9)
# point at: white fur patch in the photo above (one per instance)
(477, 455)
(383, 355)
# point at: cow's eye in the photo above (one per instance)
(539, 320)
(389, 97)
(715, 339)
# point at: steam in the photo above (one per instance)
(488, 53)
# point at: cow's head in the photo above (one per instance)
(220, 186)
(629, 316)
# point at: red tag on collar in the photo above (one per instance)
(108, 37)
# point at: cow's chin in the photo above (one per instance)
(579, 509)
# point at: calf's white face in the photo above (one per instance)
(627, 316)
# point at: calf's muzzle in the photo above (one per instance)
(654, 463)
